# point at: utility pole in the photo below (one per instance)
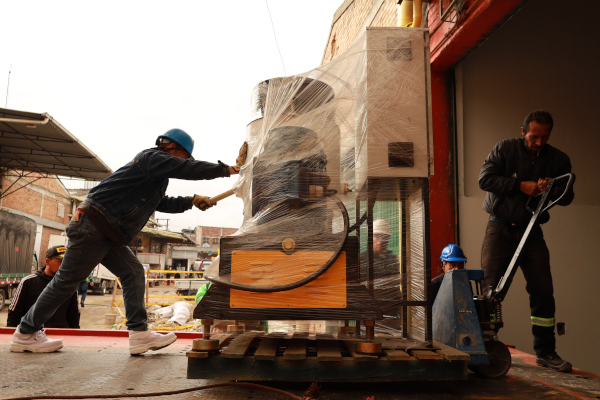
(163, 219)
(7, 86)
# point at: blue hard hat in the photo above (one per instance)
(452, 252)
(180, 137)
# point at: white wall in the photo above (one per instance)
(544, 57)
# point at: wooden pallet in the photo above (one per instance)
(255, 356)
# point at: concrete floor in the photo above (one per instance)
(101, 365)
(93, 365)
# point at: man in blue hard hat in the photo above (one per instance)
(452, 258)
(107, 221)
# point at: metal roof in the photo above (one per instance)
(38, 143)
(164, 236)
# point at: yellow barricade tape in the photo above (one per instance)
(157, 303)
(174, 328)
(124, 319)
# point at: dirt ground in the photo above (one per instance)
(96, 307)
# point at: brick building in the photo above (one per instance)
(349, 20)
(209, 238)
(44, 199)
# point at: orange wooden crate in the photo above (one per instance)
(275, 268)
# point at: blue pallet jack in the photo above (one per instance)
(468, 319)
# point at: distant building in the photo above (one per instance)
(190, 234)
(209, 239)
(41, 197)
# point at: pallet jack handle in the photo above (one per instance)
(543, 205)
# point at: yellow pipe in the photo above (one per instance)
(417, 13)
(405, 13)
(410, 13)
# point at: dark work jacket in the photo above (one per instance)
(507, 166)
(29, 289)
(387, 279)
(436, 283)
(122, 203)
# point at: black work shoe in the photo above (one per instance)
(554, 361)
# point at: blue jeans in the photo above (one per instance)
(82, 290)
(87, 247)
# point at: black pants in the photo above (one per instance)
(499, 245)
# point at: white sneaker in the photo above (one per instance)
(142, 341)
(36, 342)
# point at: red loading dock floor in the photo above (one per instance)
(97, 363)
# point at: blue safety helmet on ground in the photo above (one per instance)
(452, 252)
(180, 137)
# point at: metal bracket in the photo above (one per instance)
(452, 11)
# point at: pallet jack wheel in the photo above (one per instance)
(499, 358)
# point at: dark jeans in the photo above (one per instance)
(499, 245)
(82, 290)
(87, 248)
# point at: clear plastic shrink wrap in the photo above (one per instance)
(335, 191)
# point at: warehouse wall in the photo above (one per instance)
(543, 57)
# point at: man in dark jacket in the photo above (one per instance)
(66, 316)
(110, 218)
(386, 269)
(514, 171)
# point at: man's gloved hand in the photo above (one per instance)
(241, 160)
(202, 202)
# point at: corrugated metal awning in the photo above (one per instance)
(164, 236)
(38, 143)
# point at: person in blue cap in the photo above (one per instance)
(106, 222)
(452, 258)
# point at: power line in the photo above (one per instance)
(275, 35)
(7, 86)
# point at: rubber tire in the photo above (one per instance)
(2, 298)
(499, 358)
(103, 288)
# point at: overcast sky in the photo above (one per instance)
(117, 74)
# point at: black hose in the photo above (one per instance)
(154, 394)
(302, 282)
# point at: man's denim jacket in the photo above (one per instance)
(128, 197)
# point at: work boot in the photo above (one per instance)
(142, 341)
(82, 305)
(36, 342)
(553, 360)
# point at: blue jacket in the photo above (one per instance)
(126, 199)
